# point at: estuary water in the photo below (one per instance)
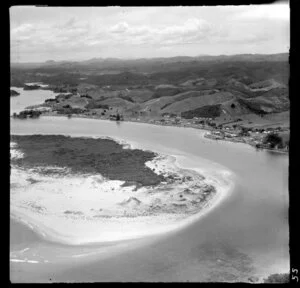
(246, 235)
(28, 98)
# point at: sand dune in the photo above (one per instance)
(77, 209)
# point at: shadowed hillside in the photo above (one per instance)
(228, 87)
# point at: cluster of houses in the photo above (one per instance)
(223, 134)
(116, 117)
(243, 131)
(256, 138)
(175, 119)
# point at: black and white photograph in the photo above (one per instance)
(149, 144)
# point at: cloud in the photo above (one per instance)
(191, 26)
(30, 42)
(119, 28)
(22, 29)
(280, 11)
(192, 29)
(124, 30)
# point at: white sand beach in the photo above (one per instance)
(80, 209)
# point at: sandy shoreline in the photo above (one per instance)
(124, 213)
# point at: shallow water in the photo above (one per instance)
(247, 234)
(28, 98)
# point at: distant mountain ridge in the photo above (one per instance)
(237, 57)
(227, 87)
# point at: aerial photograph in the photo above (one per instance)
(149, 144)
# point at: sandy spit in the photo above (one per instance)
(80, 209)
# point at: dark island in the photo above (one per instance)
(31, 87)
(87, 155)
(14, 93)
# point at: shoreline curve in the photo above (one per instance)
(165, 224)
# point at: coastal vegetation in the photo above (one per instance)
(278, 278)
(14, 93)
(31, 87)
(27, 114)
(204, 111)
(274, 140)
(96, 105)
(87, 155)
(67, 110)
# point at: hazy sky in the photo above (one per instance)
(79, 33)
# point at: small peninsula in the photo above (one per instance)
(14, 93)
(32, 87)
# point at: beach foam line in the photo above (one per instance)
(37, 83)
(85, 254)
(22, 251)
(25, 261)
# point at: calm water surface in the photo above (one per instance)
(27, 98)
(246, 235)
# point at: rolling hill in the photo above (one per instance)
(222, 87)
